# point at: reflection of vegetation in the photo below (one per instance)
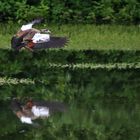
(17, 64)
(102, 104)
(82, 85)
(5, 80)
(106, 120)
(98, 66)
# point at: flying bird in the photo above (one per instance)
(34, 39)
(32, 110)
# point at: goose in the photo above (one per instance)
(35, 39)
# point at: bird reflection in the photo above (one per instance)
(32, 110)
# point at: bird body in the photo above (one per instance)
(34, 39)
(38, 37)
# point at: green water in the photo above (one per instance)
(103, 105)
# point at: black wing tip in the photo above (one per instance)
(62, 41)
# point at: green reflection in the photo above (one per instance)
(103, 105)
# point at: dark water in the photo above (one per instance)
(103, 105)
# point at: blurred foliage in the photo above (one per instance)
(79, 85)
(106, 120)
(28, 65)
(72, 11)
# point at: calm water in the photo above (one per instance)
(103, 105)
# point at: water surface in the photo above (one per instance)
(103, 104)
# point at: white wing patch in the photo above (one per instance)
(40, 111)
(38, 37)
(26, 120)
(26, 27)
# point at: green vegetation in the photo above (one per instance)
(79, 85)
(98, 66)
(96, 74)
(31, 65)
(72, 11)
(100, 87)
(5, 80)
(120, 121)
(85, 37)
(102, 105)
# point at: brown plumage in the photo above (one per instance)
(23, 38)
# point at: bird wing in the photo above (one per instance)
(30, 24)
(55, 42)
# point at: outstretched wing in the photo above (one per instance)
(55, 42)
(30, 24)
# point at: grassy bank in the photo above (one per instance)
(83, 37)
